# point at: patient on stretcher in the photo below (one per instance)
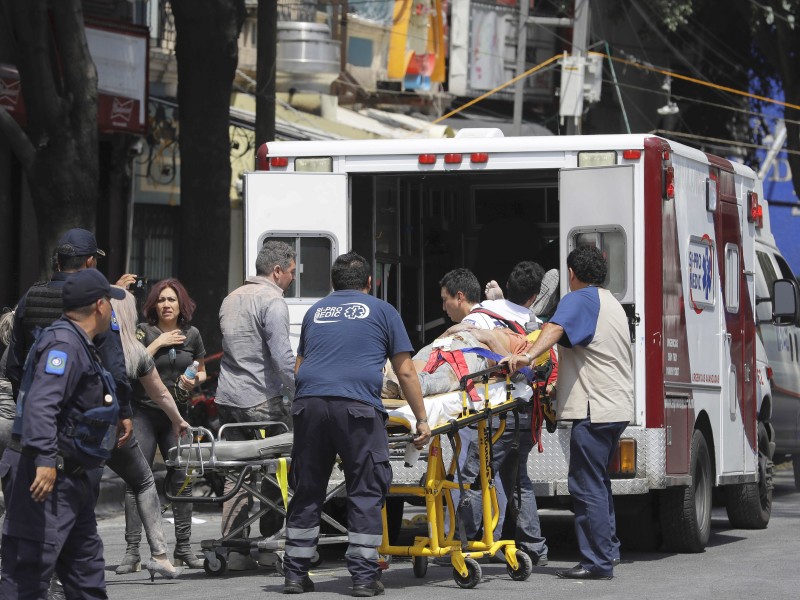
(461, 350)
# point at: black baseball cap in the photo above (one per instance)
(78, 242)
(85, 287)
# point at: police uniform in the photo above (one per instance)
(66, 419)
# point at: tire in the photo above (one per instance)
(473, 577)
(420, 566)
(749, 505)
(217, 568)
(686, 511)
(524, 569)
(279, 565)
(316, 560)
(796, 467)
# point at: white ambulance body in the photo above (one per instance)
(677, 225)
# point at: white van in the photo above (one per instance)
(781, 411)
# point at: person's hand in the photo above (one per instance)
(124, 431)
(179, 428)
(126, 280)
(423, 437)
(458, 328)
(171, 338)
(43, 483)
(188, 384)
(516, 362)
(493, 291)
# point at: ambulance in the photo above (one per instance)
(678, 227)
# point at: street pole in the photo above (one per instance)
(522, 45)
(580, 40)
(265, 71)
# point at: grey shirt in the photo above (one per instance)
(257, 358)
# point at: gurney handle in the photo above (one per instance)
(501, 369)
(202, 500)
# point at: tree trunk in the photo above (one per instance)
(59, 84)
(207, 53)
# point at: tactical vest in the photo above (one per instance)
(43, 306)
(92, 432)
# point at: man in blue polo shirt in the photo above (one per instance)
(595, 392)
(344, 343)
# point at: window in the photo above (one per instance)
(732, 278)
(314, 260)
(611, 243)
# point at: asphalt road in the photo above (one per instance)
(736, 564)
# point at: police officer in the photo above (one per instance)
(41, 305)
(65, 427)
(345, 341)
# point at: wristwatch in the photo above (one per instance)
(425, 420)
(529, 357)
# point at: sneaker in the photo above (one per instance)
(367, 590)
(241, 562)
(298, 586)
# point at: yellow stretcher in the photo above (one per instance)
(439, 481)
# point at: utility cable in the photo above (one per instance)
(616, 87)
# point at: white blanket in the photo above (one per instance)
(442, 407)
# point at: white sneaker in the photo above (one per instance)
(241, 562)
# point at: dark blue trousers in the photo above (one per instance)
(58, 535)
(324, 427)
(591, 448)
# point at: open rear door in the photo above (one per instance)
(310, 211)
(596, 207)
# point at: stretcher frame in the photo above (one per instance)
(438, 484)
(270, 548)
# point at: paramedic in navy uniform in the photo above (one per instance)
(595, 392)
(344, 343)
(50, 484)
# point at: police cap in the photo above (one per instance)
(85, 287)
(78, 242)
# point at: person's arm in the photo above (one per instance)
(409, 382)
(298, 361)
(158, 393)
(276, 336)
(16, 349)
(551, 334)
(201, 375)
(165, 340)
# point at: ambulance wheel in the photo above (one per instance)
(524, 567)
(420, 566)
(749, 505)
(216, 566)
(473, 577)
(686, 510)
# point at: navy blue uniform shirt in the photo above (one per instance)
(65, 378)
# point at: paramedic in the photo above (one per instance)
(344, 343)
(523, 285)
(596, 383)
(64, 429)
(256, 370)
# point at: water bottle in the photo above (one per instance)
(411, 455)
(190, 373)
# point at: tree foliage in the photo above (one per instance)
(760, 40)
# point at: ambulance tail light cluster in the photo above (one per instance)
(755, 212)
(623, 464)
(475, 158)
(262, 158)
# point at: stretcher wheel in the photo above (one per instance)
(420, 566)
(473, 577)
(316, 560)
(216, 566)
(279, 565)
(523, 570)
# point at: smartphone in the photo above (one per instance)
(140, 284)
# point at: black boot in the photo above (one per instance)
(185, 556)
(132, 562)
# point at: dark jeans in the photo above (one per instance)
(528, 528)
(129, 463)
(591, 448)
(154, 429)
